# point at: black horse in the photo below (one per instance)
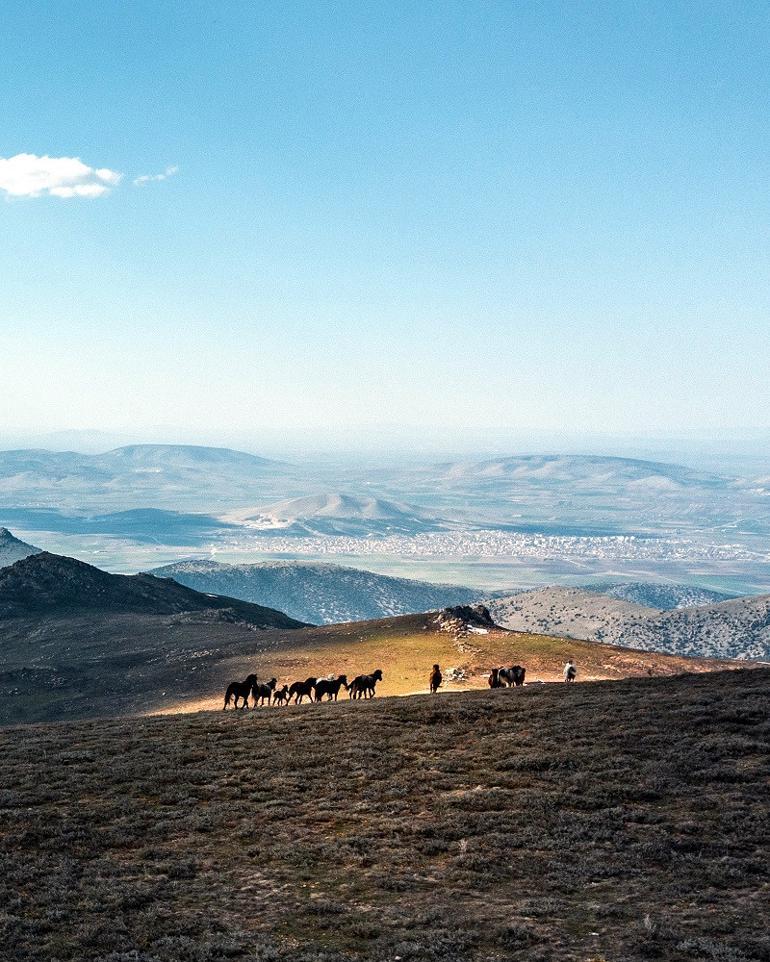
(514, 676)
(364, 685)
(240, 689)
(281, 697)
(302, 689)
(330, 687)
(264, 691)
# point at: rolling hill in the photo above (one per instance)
(663, 596)
(137, 475)
(79, 642)
(332, 514)
(584, 471)
(318, 593)
(12, 549)
(554, 823)
(465, 646)
(738, 628)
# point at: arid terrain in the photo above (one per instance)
(624, 821)
(405, 649)
(733, 628)
(78, 642)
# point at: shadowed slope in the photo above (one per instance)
(47, 582)
(79, 641)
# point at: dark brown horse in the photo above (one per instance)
(240, 689)
(494, 679)
(281, 697)
(302, 689)
(364, 685)
(330, 687)
(435, 680)
(264, 691)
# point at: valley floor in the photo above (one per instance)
(599, 821)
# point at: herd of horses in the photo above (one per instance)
(362, 686)
(314, 689)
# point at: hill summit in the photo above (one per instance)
(335, 513)
(50, 583)
(12, 549)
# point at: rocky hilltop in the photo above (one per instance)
(52, 584)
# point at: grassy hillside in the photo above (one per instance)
(86, 664)
(405, 649)
(624, 821)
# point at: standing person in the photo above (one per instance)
(570, 671)
(435, 679)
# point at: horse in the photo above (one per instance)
(364, 685)
(330, 687)
(281, 697)
(240, 689)
(494, 679)
(514, 676)
(262, 692)
(300, 689)
(435, 679)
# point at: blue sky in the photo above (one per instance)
(465, 219)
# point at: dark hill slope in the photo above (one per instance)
(560, 824)
(78, 642)
(51, 583)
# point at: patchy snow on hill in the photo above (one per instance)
(738, 628)
(319, 593)
(656, 595)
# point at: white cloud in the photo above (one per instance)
(151, 178)
(27, 175)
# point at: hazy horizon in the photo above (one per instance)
(299, 221)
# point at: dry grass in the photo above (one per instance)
(406, 648)
(68, 666)
(623, 821)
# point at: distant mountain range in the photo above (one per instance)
(737, 628)
(12, 549)
(592, 471)
(153, 471)
(319, 593)
(334, 514)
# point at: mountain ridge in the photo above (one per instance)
(735, 628)
(318, 592)
(45, 582)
